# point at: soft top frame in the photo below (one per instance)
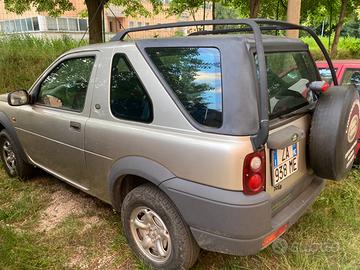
(256, 26)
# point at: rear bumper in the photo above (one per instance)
(231, 222)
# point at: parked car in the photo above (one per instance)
(215, 140)
(347, 73)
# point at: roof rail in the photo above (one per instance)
(255, 26)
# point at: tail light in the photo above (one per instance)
(254, 173)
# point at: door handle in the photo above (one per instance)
(75, 125)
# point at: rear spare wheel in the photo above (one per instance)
(333, 133)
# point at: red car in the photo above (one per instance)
(347, 73)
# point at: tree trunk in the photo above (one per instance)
(204, 11)
(293, 16)
(213, 10)
(254, 8)
(213, 13)
(95, 9)
(339, 27)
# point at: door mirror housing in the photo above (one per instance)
(18, 98)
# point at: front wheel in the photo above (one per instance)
(155, 230)
(11, 158)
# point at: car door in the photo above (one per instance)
(51, 129)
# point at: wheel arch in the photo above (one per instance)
(132, 171)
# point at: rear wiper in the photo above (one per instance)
(302, 110)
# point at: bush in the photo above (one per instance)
(24, 58)
(348, 47)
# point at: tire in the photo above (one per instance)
(148, 204)
(333, 133)
(14, 165)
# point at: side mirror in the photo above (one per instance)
(18, 98)
(318, 86)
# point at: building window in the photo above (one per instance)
(63, 25)
(51, 23)
(18, 25)
(131, 24)
(35, 23)
(23, 25)
(83, 24)
(139, 23)
(66, 24)
(73, 25)
(29, 24)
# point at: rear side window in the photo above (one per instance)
(351, 77)
(128, 98)
(194, 75)
(289, 75)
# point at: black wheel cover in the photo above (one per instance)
(333, 133)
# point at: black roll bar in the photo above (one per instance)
(256, 26)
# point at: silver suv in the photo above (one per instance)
(216, 140)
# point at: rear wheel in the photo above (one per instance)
(155, 230)
(11, 158)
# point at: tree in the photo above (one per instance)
(94, 7)
(338, 11)
(258, 8)
(178, 7)
(54, 8)
(339, 27)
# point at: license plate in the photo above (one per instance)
(285, 163)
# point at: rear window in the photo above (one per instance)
(289, 75)
(194, 75)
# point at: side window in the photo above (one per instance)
(128, 98)
(66, 86)
(194, 75)
(351, 77)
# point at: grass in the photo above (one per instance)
(89, 236)
(24, 58)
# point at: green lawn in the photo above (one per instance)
(46, 224)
